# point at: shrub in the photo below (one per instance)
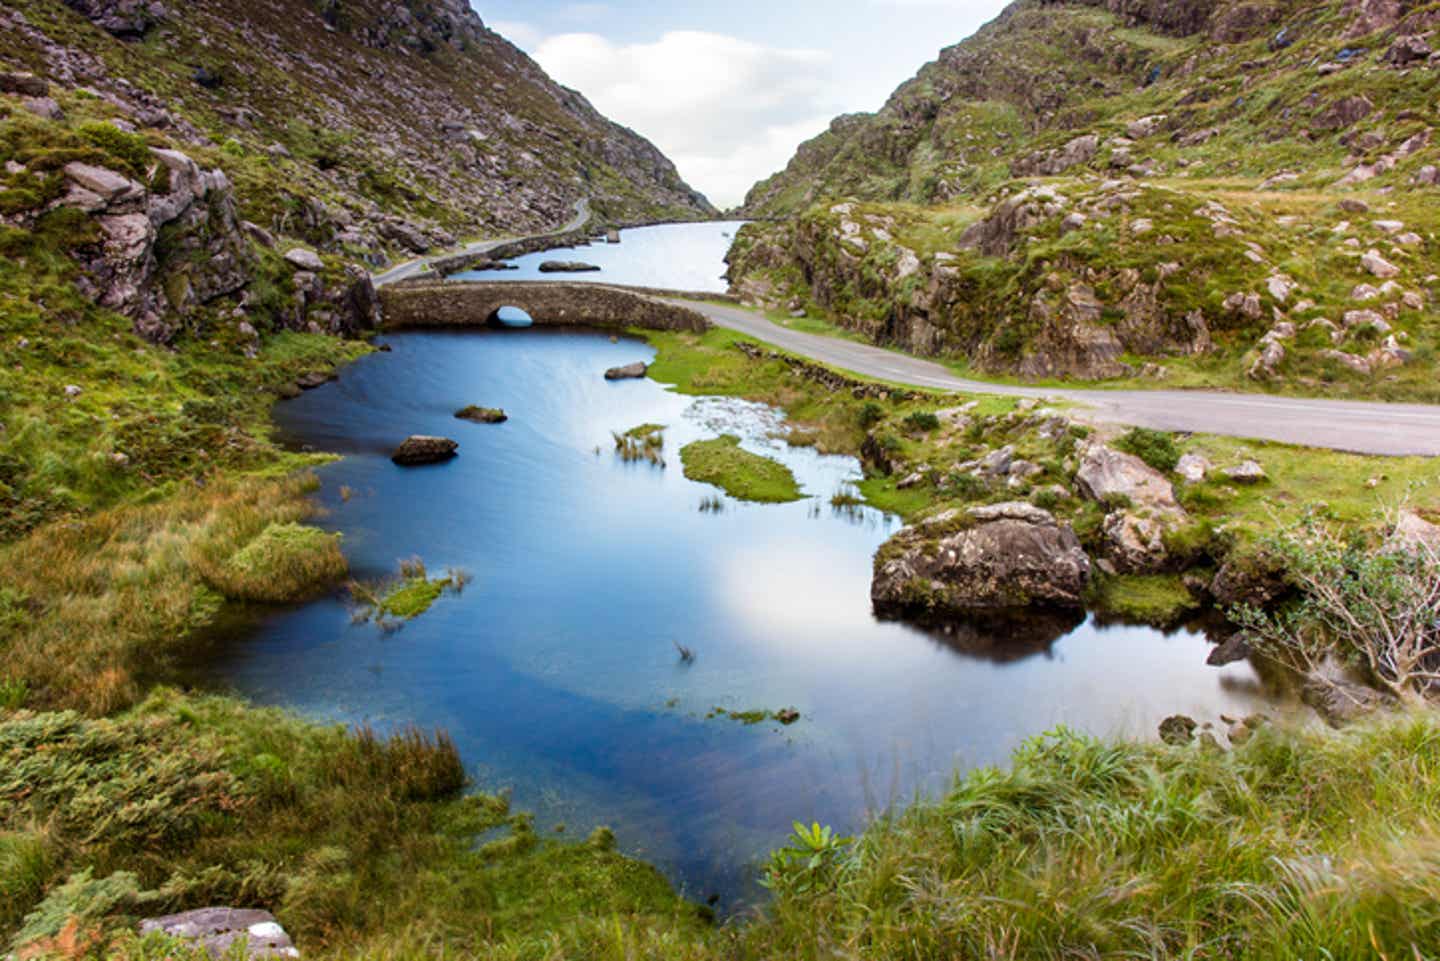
(922, 421)
(1154, 447)
(871, 414)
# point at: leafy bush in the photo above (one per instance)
(1154, 447)
(871, 414)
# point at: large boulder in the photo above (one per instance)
(1106, 475)
(227, 932)
(1000, 558)
(420, 449)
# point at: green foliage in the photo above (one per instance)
(283, 563)
(809, 864)
(922, 421)
(1162, 600)
(871, 414)
(1154, 447)
(406, 597)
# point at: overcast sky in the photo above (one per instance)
(729, 89)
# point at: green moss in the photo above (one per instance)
(1160, 599)
(739, 473)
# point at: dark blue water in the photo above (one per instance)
(674, 256)
(556, 670)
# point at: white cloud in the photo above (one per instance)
(727, 111)
(524, 35)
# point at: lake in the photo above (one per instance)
(556, 670)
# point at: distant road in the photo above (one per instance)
(411, 268)
(1359, 426)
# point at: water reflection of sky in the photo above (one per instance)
(674, 256)
(556, 669)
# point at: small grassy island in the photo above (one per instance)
(739, 473)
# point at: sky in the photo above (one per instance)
(729, 89)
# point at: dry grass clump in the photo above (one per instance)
(94, 606)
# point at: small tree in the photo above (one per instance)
(1375, 608)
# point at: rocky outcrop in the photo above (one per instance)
(1000, 558)
(127, 19)
(567, 267)
(420, 449)
(162, 249)
(1143, 509)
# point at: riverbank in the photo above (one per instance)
(1202, 540)
(227, 830)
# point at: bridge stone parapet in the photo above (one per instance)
(433, 303)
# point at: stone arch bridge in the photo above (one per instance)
(441, 303)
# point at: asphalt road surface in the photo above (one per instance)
(1360, 426)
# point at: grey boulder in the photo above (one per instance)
(219, 930)
(633, 371)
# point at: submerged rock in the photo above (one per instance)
(633, 371)
(218, 931)
(420, 449)
(1003, 557)
(1178, 730)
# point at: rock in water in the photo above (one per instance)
(633, 371)
(567, 267)
(612, 236)
(420, 449)
(219, 930)
(999, 558)
(483, 415)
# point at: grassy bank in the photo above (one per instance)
(914, 444)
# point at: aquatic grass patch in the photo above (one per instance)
(405, 597)
(643, 443)
(739, 473)
(784, 716)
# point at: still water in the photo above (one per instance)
(674, 256)
(556, 669)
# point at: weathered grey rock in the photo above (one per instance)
(302, 259)
(1193, 468)
(23, 84)
(110, 186)
(220, 930)
(1248, 472)
(567, 267)
(1378, 265)
(46, 107)
(1232, 650)
(1339, 700)
(1414, 533)
(1352, 361)
(633, 371)
(612, 236)
(1004, 557)
(1343, 113)
(1135, 543)
(1255, 582)
(421, 449)
(1106, 473)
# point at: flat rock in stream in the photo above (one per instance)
(482, 415)
(633, 371)
(567, 267)
(420, 449)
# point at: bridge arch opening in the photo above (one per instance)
(510, 316)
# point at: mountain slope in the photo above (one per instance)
(1208, 193)
(368, 124)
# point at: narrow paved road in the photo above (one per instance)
(1362, 427)
(413, 267)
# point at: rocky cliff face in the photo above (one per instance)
(368, 126)
(1224, 192)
